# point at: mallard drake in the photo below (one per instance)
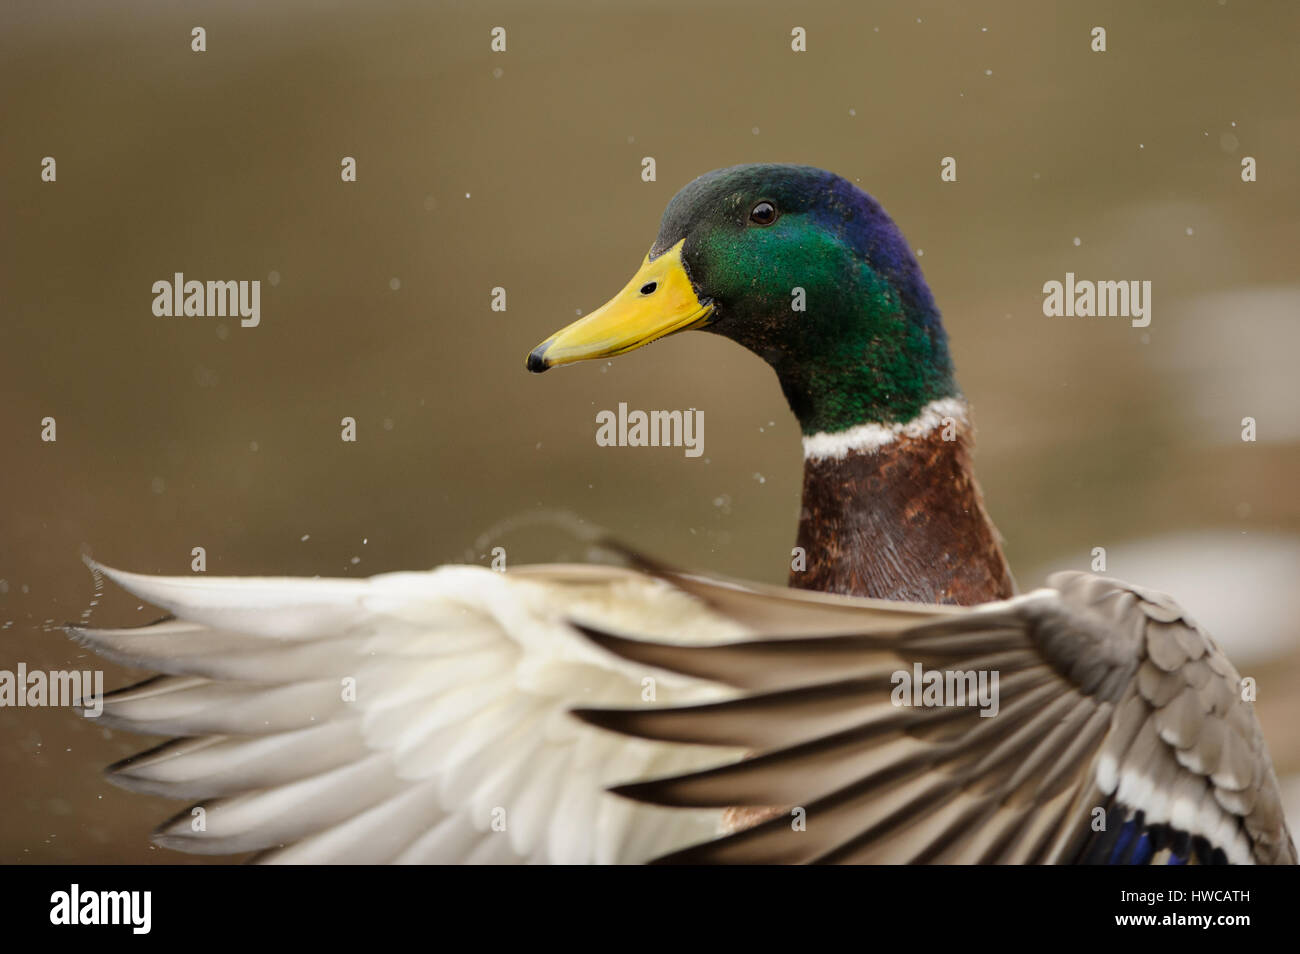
(467, 715)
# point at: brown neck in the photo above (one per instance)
(905, 521)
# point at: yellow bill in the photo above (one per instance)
(657, 302)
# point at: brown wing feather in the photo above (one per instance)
(1110, 699)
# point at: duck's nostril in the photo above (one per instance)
(649, 287)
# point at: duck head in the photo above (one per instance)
(802, 268)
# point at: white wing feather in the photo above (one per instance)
(458, 746)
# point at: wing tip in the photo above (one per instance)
(98, 569)
(95, 636)
(179, 834)
(122, 578)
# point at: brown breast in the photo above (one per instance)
(905, 521)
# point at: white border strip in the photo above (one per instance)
(866, 438)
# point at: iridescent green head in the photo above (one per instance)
(802, 268)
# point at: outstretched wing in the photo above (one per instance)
(411, 717)
(1117, 732)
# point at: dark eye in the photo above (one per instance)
(763, 214)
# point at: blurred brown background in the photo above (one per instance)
(522, 170)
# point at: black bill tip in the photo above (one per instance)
(537, 360)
